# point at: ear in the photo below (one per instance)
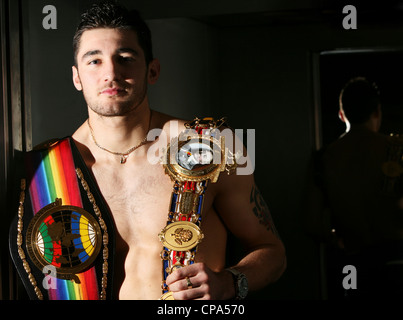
(76, 79)
(153, 71)
(342, 116)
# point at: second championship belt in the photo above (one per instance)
(193, 159)
(62, 239)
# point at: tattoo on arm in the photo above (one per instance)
(261, 210)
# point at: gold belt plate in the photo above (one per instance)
(167, 296)
(66, 237)
(181, 236)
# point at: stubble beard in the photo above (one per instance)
(118, 108)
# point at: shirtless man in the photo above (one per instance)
(353, 209)
(114, 66)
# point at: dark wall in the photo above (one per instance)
(260, 75)
(57, 108)
(267, 83)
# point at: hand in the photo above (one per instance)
(205, 283)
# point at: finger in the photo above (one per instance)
(183, 284)
(181, 273)
(189, 294)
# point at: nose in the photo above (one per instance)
(111, 71)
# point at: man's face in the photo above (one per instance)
(111, 71)
(204, 157)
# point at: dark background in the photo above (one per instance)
(273, 66)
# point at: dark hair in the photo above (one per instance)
(359, 99)
(112, 15)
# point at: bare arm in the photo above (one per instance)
(247, 216)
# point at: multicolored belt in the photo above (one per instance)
(60, 230)
(192, 160)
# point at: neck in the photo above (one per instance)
(369, 125)
(120, 133)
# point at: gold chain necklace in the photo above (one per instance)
(123, 155)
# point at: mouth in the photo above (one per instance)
(113, 91)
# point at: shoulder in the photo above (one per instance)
(48, 144)
(171, 126)
(366, 139)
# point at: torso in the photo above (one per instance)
(138, 194)
(354, 181)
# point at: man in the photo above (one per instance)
(353, 208)
(113, 67)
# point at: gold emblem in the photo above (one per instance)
(181, 236)
(195, 158)
(66, 237)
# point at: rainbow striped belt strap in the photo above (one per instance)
(62, 226)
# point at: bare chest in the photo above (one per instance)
(138, 196)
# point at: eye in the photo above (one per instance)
(125, 59)
(94, 62)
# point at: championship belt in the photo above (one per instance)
(192, 160)
(61, 241)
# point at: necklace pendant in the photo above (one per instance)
(123, 158)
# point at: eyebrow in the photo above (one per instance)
(90, 53)
(127, 50)
(120, 50)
